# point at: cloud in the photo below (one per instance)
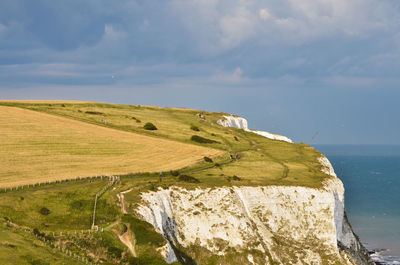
(236, 27)
(233, 77)
(264, 14)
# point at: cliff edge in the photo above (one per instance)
(255, 225)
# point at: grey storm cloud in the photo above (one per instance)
(281, 58)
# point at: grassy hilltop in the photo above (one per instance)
(52, 140)
(38, 147)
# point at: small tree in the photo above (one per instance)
(150, 126)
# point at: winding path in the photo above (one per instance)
(127, 236)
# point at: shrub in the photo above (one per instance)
(189, 179)
(203, 140)
(45, 211)
(150, 126)
(94, 112)
(194, 128)
(123, 229)
(207, 159)
(134, 118)
(144, 232)
(37, 232)
(234, 177)
(114, 251)
(174, 173)
(79, 204)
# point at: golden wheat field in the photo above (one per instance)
(37, 147)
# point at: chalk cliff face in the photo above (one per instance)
(241, 123)
(263, 225)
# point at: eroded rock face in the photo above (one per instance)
(241, 123)
(285, 225)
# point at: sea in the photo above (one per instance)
(371, 177)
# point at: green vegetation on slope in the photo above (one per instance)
(17, 247)
(70, 205)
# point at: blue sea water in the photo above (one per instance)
(371, 177)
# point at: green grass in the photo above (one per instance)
(144, 232)
(70, 205)
(147, 241)
(19, 247)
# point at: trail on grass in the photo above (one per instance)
(126, 240)
(128, 235)
(122, 200)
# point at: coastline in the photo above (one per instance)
(370, 175)
(381, 257)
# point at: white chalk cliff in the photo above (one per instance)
(264, 225)
(241, 123)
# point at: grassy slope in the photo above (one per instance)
(40, 147)
(21, 248)
(262, 162)
(70, 205)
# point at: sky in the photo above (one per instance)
(317, 71)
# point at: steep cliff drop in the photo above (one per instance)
(255, 225)
(241, 123)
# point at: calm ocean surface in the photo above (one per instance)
(371, 176)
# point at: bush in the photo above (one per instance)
(144, 232)
(79, 205)
(133, 118)
(189, 179)
(174, 173)
(207, 159)
(150, 126)
(94, 112)
(203, 140)
(234, 177)
(114, 251)
(194, 128)
(45, 211)
(37, 232)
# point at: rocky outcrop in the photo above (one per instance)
(266, 225)
(241, 123)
